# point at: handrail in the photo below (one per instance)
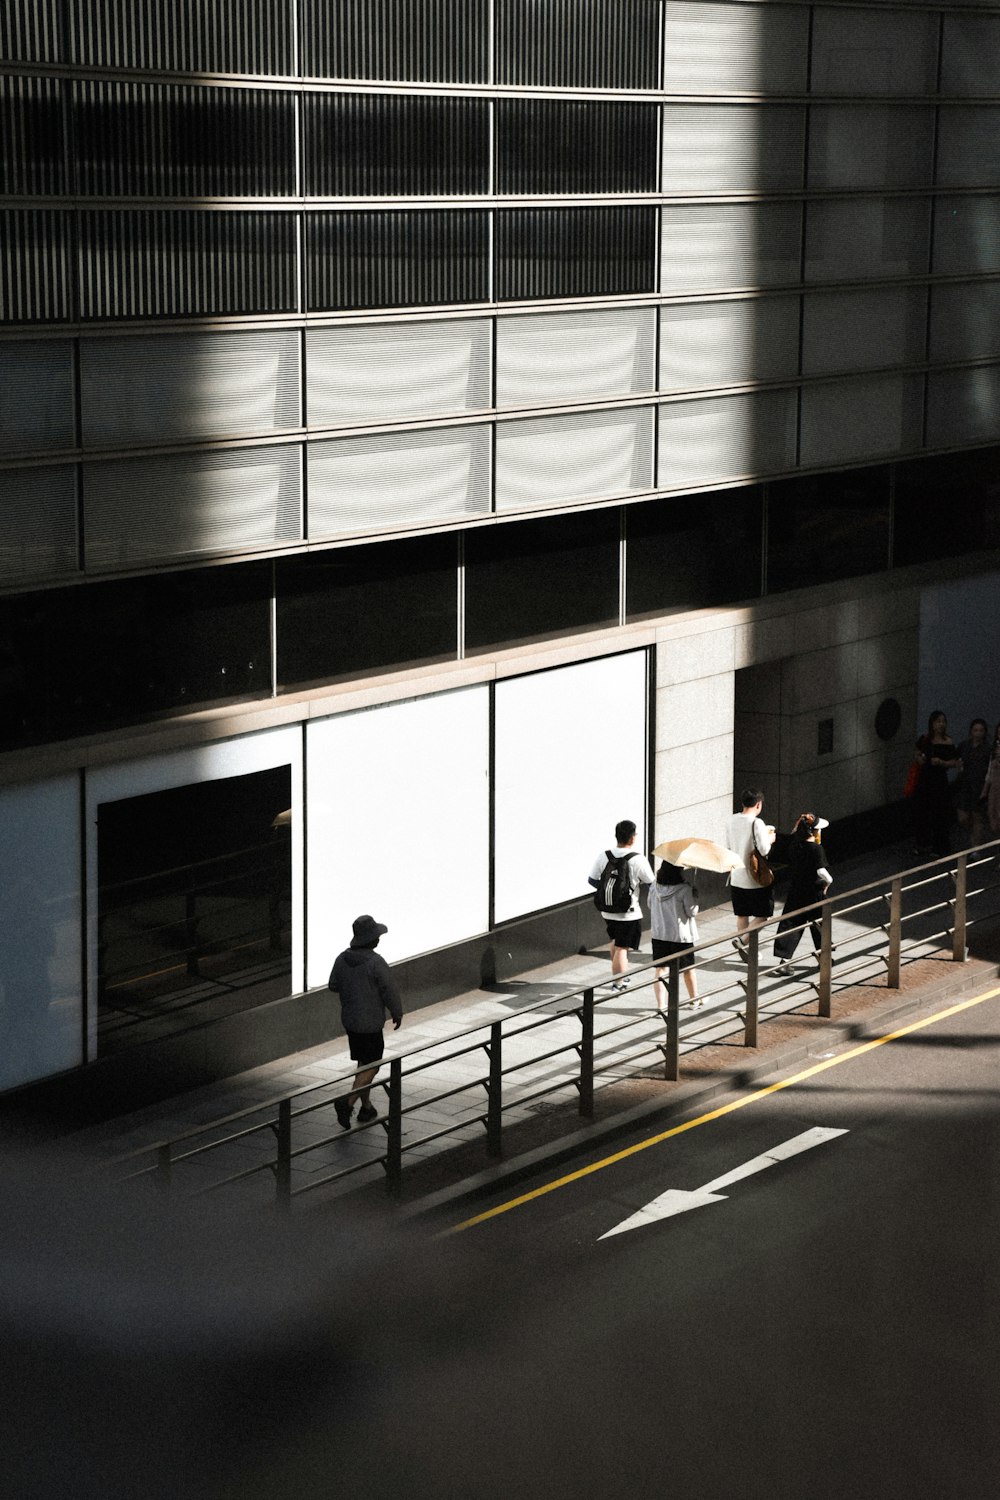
(580, 1002)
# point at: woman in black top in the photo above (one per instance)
(810, 882)
(936, 755)
(974, 754)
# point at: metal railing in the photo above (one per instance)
(955, 889)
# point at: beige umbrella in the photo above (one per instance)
(699, 854)
(283, 820)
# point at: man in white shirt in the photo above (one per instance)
(623, 928)
(752, 903)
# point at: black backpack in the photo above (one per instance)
(614, 893)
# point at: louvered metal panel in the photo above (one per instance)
(713, 48)
(549, 358)
(185, 36)
(34, 266)
(378, 145)
(574, 252)
(866, 238)
(970, 55)
(857, 51)
(575, 146)
(38, 538)
(578, 43)
(31, 31)
(854, 420)
(423, 41)
(397, 258)
(398, 479)
(725, 343)
(36, 395)
(726, 437)
(31, 137)
(177, 387)
(968, 153)
(732, 148)
(965, 320)
(863, 330)
(870, 145)
(963, 406)
(388, 371)
(966, 234)
(164, 263)
(144, 510)
(159, 140)
(544, 460)
(721, 246)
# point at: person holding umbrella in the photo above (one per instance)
(673, 906)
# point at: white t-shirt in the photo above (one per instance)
(640, 874)
(740, 834)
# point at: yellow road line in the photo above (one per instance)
(724, 1109)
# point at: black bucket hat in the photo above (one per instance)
(367, 930)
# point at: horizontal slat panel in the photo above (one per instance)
(968, 147)
(578, 43)
(185, 36)
(547, 459)
(143, 510)
(710, 148)
(164, 263)
(35, 284)
(423, 41)
(726, 437)
(855, 420)
(712, 48)
(869, 237)
(550, 358)
(398, 479)
(870, 145)
(970, 56)
(963, 406)
(399, 258)
(172, 387)
(724, 343)
(863, 330)
(38, 538)
(387, 371)
(857, 51)
(31, 137)
(965, 321)
(575, 146)
(721, 246)
(36, 395)
(374, 145)
(574, 252)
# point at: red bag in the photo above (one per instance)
(912, 777)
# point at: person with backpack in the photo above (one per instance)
(367, 990)
(617, 875)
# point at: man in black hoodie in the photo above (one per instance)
(364, 982)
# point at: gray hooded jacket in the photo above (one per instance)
(364, 982)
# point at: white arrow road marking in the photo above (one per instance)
(676, 1201)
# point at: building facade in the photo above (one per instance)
(434, 429)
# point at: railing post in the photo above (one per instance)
(672, 1051)
(494, 1092)
(587, 1055)
(283, 1165)
(753, 972)
(394, 1129)
(961, 889)
(826, 963)
(164, 1167)
(895, 933)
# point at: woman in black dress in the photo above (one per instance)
(810, 882)
(936, 755)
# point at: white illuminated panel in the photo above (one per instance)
(578, 356)
(570, 763)
(398, 802)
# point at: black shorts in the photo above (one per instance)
(758, 901)
(665, 948)
(625, 934)
(366, 1046)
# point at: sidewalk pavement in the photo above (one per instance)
(631, 1070)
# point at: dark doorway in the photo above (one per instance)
(194, 905)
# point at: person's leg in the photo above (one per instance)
(691, 984)
(619, 960)
(363, 1079)
(660, 990)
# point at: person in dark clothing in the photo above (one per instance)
(810, 882)
(936, 755)
(974, 754)
(367, 990)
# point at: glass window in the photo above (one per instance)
(86, 659)
(713, 48)
(398, 479)
(545, 460)
(967, 150)
(970, 56)
(865, 238)
(873, 52)
(381, 145)
(575, 146)
(966, 234)
(946, 505)
(356, 610)
(863, 330)
(963, 406)
(726, 437)
(726, 343)
(717, 148)
(826, 526)
(870, 145)
(398, 258)
(851, 420)
(965, 320)
(730, 246)
(578, 43)
(574, 252)
(39, 534)
(171, 387)
(391, 371)
(419, 41)
(688, 551)
(36, 395)
(539, 578)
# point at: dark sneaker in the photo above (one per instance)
(366, 1114)
(343, 1112)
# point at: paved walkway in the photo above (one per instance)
(628, 1036)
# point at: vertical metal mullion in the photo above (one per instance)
(651, 655)
(622, 567)
(931, 226)
(274, 627)
(304, 790)
(492, 800)
(460, 597)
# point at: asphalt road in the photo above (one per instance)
(829, 1328)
